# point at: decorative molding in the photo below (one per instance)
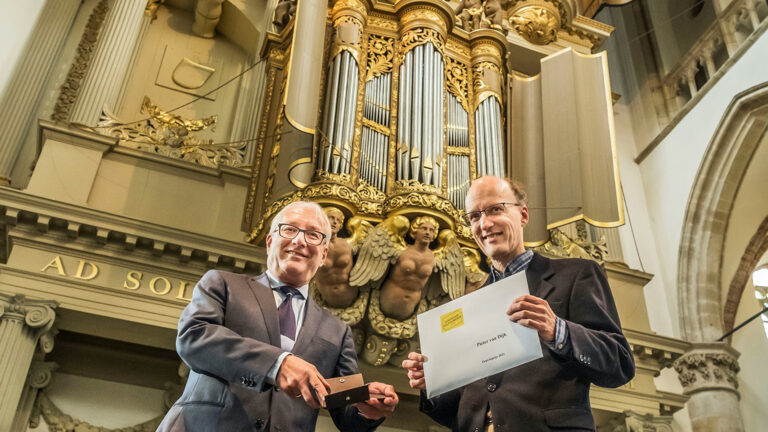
(72, 84)
(173, 136)
(58, 421)
(708, 366)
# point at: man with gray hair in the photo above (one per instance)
(259, 349)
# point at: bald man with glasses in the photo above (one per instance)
(571, 307)
(260, 350)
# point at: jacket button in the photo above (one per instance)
(491, 387)
(259, 423)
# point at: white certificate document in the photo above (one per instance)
(472, 337)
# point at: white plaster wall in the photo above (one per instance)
(103, 403)
(752, 343)
(669, 171)
(16, 24)
(640, 250)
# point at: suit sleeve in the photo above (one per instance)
(442, 409)
(207, 345)
(348, 418)
(598, 349)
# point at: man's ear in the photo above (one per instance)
(524, 215)
(269, 241)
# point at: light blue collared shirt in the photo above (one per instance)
(520, 263)
(299, 310)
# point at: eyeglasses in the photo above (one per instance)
(312, 237)
(492, 210)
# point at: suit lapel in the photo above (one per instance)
(537, 274)
(263, 293)
(308, 327)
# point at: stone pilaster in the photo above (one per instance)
(19, 102)
(111, 61)
(39, 377)
(707, 372)
(24, 325)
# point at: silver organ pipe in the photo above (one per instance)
(458, 164)
(488, 138)
(330, 115)
(421, 139)
(374, 144)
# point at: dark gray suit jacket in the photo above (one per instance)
(229, 336)
(550, 393)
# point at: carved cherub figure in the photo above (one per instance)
(333, 277)
(469, 14)
(284, 12)
(406, 283)
(475, 276)
(494, 15)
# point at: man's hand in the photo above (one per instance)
(374, 409)
(415, 367)
(535, 313)
(297, 378)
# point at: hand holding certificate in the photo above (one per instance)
(472, 337)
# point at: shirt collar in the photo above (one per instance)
(276, 283)
(520, 263)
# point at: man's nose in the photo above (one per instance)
(300, 235)
(485, 221)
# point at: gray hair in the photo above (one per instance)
(319, 213)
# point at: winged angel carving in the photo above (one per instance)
(405, 279)
(330, 287)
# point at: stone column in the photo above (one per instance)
(19, 102)
(707, 372)
(111, 61)
(39, 377)
(24, 324)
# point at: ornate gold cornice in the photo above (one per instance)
(436, 15)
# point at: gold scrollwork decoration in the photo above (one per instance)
(350, 315)
(481, 88)
(354, 5)
(457, 82)
(421, 36)
(344, 41)
(381, 54)
(382, 23)
(391, 327)
(370, 124)
(432, 201)
(423, 17)
(537, 24)
(173, 136)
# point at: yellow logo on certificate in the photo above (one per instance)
(452, 320)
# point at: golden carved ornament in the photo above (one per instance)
(381, 54)
(350, 315)
(482, 89)
(537, 24)
(457, 81)
(151, 9)
(171, 135)
(278, 136)
(418, 37)
(382, 23)
(391, 327)
(433, 202)
(460, 48)
(488, 51)
(560, 245)
(345, 7)
(460, 151)
(415, 186)
(340, 45)
(423, 17)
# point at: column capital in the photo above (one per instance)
(708, 366)
(40, 374)
(647, 422)
(34, 313)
